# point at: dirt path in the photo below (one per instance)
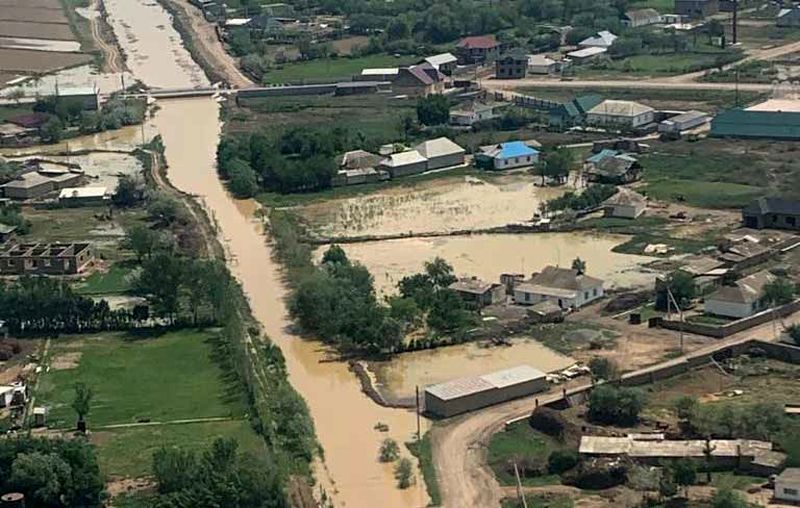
(207, 47)
(170, 422)
(460, 445)
(112, 58)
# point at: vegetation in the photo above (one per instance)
(534, 453)
(433, 110)
(389, 451)
(728, 498)
(51, 472)
(586, 200)
(11, 215)
(404, 473)
(681, 285)
(66, 113)
(615, 406)
(422, 451)
(603, 369)
(81, 403)
(794, 333)
(780, 291)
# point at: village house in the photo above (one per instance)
(683, 122)
(512, 65)
(410, 162)
(378, 74)
(789, 17)
(84, 196)
(641, 17)
(772, 119)
(35, 184)
(603, 39)
(477, 293)
(6, 232)
(418, 81)
(508, 155)
(542, 64)
(445, 63)
(696, 8)
(787, 485)
(612, 167)
(467, 115)
(584, 55)
(88, 97)
(357, 167)
(772, 213)
(743, 299)
(441, 153)
(623, 114)
(625, 204)
(14, 135)
(620, 145)
(567, 287)
(477, 49)
(45, 258)
(574, 112)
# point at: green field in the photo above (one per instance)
(521, 441)
(652, 65)
(662, 6)
(117, 280)
(332, 69)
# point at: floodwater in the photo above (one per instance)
(102, 169)
(448, 204)
(400, 375)
(343, 415)
(74, 77)
(124, 139)
(488, 256)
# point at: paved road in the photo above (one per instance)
(459, 446)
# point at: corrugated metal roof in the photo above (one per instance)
(441, 59)
(82, 192)
(403, 158)
(458, 388)
(756, 124)
(587, 52)
(439, 147)
(777, 106)
(388, 71)
(620, 108)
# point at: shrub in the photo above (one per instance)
(561, 461)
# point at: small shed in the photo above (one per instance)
(787, 485)
(468, 394)
(477, 293)
(39, 416)
(6, 232)
(684, 121)
(84, 196)
(625, 204)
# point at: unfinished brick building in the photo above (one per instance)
(45, 258)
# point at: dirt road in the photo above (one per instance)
(112, 59)
(206, 46)
(460, 445)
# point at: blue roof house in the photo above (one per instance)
(513, 154)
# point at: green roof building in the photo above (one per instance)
(573, 112)
(763, 121)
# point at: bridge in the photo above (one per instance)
(174, 93)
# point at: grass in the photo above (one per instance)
(704, 194)
(541, 501)
(129, 452)
(7, 112)
(654, 65)
(332, 69)
(662, 6)
(568, 336)
(422, 451)
(520, 440)
(734, 480)
(117, 280)
(159, 378)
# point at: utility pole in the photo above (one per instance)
(520, 494)
(680, 313)
(735, 20)
(419, 435)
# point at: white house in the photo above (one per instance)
(542, 64)
(444, 62)
(641, 17)
(441, 153)
(625, 204)
(613, 113)
(787, 485)
(567, 288)
(602, 39)
(472, 113)
(513, 154)
(741, 300)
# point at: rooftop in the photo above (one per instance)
(83, 192)
(774, 205)
(403, 158)
(790, 474)
(747, 290)
(358, 159)
(471, 385)
(439, 147)
(586, 52)
(642, 14)
(655, 447)
(441, 59)
(387, 71)
(479, 42)
(560, 282)
(540, 60)
(777, 106)
(602, 39)
(471, 285)
(626, 197)
(509, 149)
(612, 107)
(688, 116)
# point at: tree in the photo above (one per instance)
(447, 314)
(794, 333)
(335, 255)
(397, 29)
(684, 473)
(561, 461)
(42, 477)
(603, 369)
(681, 284)
(686, 406)
(81, 403)
(440, 273)
(404, 473)
(242, 179)
(579, 265)
(667, 487)
(405, 310)
(779, 291)
(141, 240)
(16, 95)
(433, 109)
(558, 164)
(129, 192)
(612, 405)
(160, 281)
(52, 131)
(174, 469)
(389, 451)
(164, 208)
(726, 497)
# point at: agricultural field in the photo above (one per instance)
(332, 69)
(129, 374)
(27, 62)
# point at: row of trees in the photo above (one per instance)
(68, 112)
(588, 199)
(760, 420)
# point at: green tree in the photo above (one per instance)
(779, 291)
(440, 273)
(686, 406)
(43, 478)
(52, 131)
(617, 406)
(389, 451)
(682, 286)
(603, 369)
(164, 208)
(335, 255)
(448, 314)
(579, 265)
(561, 461)
(160, 281)
(129, 192)
(404, 473)
(405, 311)
(242, 180)
(726, 497)
(433, 109)
(397, 29)
(794, 333)
(141, 240)
(558, 164)
(81, 402)
(174, 469)
(684, 473)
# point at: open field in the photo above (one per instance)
(32, 14)
(26, 61)
(520, 440)
(147, 378)
(36, 30)
(332, 69)
(639, 66)
(43, 4)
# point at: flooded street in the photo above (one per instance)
(487, 256)
(446, 204)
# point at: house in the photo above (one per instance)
(581, 56)
(477, 293)
(772, 213)
(357, 167)
(441, 153)
(787, 485)
(508, 155)
(625, 204)
(45, 258)
(35, 184)
(602, 39)
(406, 163)
(477, 49)
(418, 81)
(542, 64)
(378, 74)
(773, 119)
(512, 65)
(744, 254)
(6, 232)
(471, 113)
(84, 196)
(624, 114)
(573, 112)
(14, 135)
(683, 122)
(696, 8)
(612, 167)
(444, 63)
(743, 299)
(567, 287)
(789, 17)
(641, 17)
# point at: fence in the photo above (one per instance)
(723, 331)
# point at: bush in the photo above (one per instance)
(389, 451)
(794, 333)
(615, 406)
(561, 461)
(548, 421)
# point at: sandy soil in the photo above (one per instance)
(113, 60)
(38, 61)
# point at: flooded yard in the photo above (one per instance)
(447, 204)
(398, 377)
(102, 169)
(488, 256)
